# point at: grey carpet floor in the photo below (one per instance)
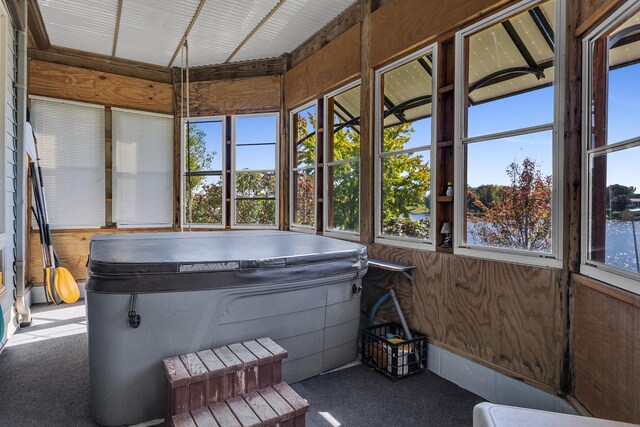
(44, 381)
(358, 396)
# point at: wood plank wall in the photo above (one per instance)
(84, 85)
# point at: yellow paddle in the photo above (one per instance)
(49, 279)
(66, 286)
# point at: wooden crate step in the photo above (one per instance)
(200, 379)
(277, 405)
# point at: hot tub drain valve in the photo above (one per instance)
(134, 318)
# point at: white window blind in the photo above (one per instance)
(142, 169)
(71, 147)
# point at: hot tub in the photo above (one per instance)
(199, 290)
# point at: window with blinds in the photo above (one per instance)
(142, 169)
(70, 140)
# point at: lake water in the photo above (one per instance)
(619, 250)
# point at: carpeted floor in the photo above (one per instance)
(52, 387)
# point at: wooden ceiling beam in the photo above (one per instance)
(186, 33)
(238, 70)
(116, 33)
(36, 26)
(255, 30)
(104, 63)
(347, 19)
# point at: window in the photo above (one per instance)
(254, 170)
(612, 150)
(203, 183)
(342, 162)
(72, 155)
(508, 120)
(303, 167)
(405, 161)
(142, 168)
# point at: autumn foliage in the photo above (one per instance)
(520, 217)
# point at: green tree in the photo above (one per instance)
(520, 216)
(255, 192)
(406, 180)
(204, 201)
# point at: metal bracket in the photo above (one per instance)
(405, 269)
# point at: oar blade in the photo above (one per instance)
(66, 286)
(49, 283)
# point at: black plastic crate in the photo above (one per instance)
(394, 359)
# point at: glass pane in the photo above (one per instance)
(511, 83)
(255, 157)
(406, 194)
(256, 129)
(345, 120)
(204, 146)
(614, 218)
(305, 126)
(256, 212)
(304, 213)
(407, 135)
(344, 197)
(255, 184)
(407, 94)
(509, 189)
(205, 201)
(624, 84)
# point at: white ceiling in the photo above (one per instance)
(151, 30)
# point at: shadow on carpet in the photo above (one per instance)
(359, 396)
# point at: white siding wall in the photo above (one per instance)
(9, 160)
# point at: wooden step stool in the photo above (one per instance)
(279, 405)
(238, 383)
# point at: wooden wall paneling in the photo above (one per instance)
(238, 96)
(78, 84)
(239, 70)
(401, 26)
(367, 134)
(433, 274)
(509, 315)
(607, 353)
(589, 13)
(285, 167)
(334, 29)
(102, 63)
(329, 68)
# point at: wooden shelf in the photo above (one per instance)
(444, 199)
(446, 89)
(445, 144)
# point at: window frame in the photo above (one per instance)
(331, 232)
(379, 155)
(554, 258)
(183, 178)
(293, 169)
(618, 277)
(276, 171)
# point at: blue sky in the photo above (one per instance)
(487, 160)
